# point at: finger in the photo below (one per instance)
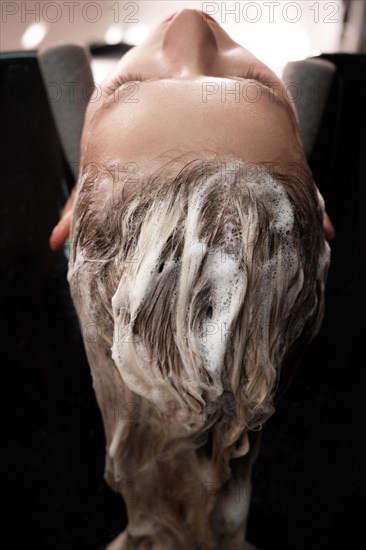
(329, 231)
(61, 232)
(70, 201)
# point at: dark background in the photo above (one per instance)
(309, 480)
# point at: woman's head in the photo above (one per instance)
(193, 276)
(191, 88)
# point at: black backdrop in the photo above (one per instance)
(309, 480)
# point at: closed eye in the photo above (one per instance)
(251, 74)
(120, 80)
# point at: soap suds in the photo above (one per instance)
(197, 322)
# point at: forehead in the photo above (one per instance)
(227, 116)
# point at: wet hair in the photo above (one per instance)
(191, 287)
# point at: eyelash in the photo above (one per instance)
(251, 74)
(120, 80)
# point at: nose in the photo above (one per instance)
(189, 42)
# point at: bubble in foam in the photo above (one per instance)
(261, 182)
(227, 284)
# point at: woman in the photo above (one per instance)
(198, 262)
